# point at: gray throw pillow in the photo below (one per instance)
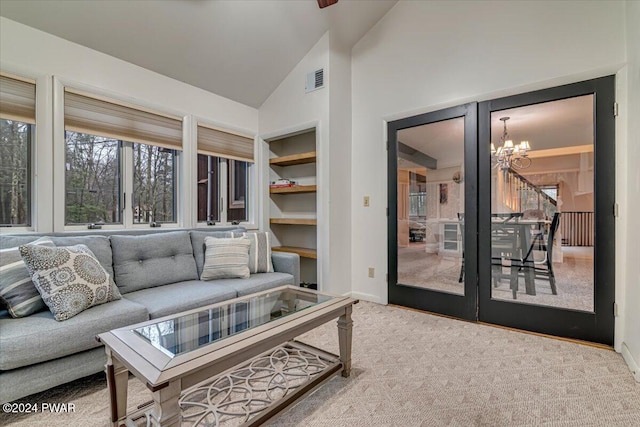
(70, 279)
(259, 251)
(226, 258)
(17, 291)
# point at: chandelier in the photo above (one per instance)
(508, 155)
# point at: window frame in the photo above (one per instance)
(252, 197)
(41, 152)
(181, 166)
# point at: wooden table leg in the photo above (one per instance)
(117, 382)
(345, 327)
(166, 412)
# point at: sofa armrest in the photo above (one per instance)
(287, 262)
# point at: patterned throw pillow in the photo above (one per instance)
(70, 279)
(17, 291)
(226, 258)
(259, 251)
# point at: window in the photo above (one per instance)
(121, 163)
(93, 185)
(15, 173)
(224, 166)
(237, 190)
(17, 128)
(208, 188)
(235, 187)
(153, 184)
(551, 191)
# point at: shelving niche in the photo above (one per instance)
(293, 210)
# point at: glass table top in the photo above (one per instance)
(189, 332)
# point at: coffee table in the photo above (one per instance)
(229, 361)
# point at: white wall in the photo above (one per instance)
(340, 158)
(424, 56)
(289, 109)
(36, 54)
(630, 205)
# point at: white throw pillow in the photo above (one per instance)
(226, 258)
(259, 251)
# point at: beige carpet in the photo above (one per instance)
(416, 369)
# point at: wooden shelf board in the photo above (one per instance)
(294, 221)
(294, 159)
(294, 189)
(303, 252)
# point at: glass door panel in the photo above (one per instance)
(542, 204)
(432, 183)
(431, 206)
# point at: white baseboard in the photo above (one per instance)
(365, 297)
(633, 364)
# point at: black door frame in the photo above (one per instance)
(598, 326)
(461, 306)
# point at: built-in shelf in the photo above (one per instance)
(303, 252)
(294, 159)
(294, 221)
(294, 189)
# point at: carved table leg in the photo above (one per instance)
(166, 412)
(345, 326)
(117, 379)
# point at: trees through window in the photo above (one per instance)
(15, 173)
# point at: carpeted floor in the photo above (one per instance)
(574, 279)
(417, 369)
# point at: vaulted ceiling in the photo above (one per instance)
(238, 49)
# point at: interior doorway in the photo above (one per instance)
(511, 221)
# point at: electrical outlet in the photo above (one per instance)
(366, 201)
(372, 272)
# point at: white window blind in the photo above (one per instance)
(214, 142)
(17, 99)
(87, 114)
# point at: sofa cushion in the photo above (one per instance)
(226, 258)
(17, 292)
(177, 297)
(197, 241)
(141, 262)
(70, 279)
(40, 337)
(257, 282)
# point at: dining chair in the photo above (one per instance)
(543, 269)
(505, 253)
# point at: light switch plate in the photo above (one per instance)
(366, 201)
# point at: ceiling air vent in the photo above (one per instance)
(315, 80)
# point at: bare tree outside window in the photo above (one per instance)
(153, 184)
(15, 173)
(92, 179)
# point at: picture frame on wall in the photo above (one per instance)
(444, 193)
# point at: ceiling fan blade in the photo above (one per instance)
(325, 3)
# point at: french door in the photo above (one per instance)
(502, 211)
(433, 211)
(565, 267)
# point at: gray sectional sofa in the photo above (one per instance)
(157, 273)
